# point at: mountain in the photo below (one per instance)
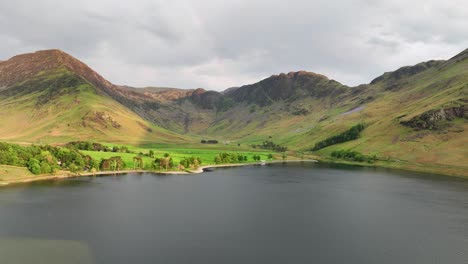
(50, 96)
(291, 86)
(414, 116)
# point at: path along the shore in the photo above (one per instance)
(200, 169)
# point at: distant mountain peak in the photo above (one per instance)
(44, 56)
(24, 66)
(287, 86)
(406, 71)
(297, 74)
(199, 91)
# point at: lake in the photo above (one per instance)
(279, 213)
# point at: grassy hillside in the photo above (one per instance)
(415, 117)
(59, 106)
(410, 93)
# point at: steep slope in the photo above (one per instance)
(49, 96)
(291, 86)
(418, 116)
(233, 111)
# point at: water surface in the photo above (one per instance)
(294, 213)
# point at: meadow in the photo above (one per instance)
(207, 154)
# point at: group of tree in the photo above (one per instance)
(209, 141)
(350, 134)
(190, 162)
(112, 164)
(269, 144)
(230, 158)
(166, 162)
(353, 156)
(258, 157)
(41, 159)
(93, 146)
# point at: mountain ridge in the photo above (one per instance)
(415, 114)
(51, 96)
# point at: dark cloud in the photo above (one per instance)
(218, 44)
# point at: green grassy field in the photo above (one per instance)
(207, 155)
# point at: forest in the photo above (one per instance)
(40, 159)
(350, 134)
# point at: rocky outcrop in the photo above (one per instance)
(289, 86)
(437, 119)
(102, 119)
(392, 80)
(205, 99)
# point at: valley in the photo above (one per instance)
(413, 118)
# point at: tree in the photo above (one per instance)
(137, 163)
(73, 168)
(156, 164)
(151, 153)
(164, 163)
(45, 167)
(33, 166)
(270, 156)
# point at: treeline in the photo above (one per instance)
(93, 146)
(190, 162)
(350, 134)
(112, 164)
(45, 158)
(166, 162)
(236, 158)
(229, 158)
(353, 156)
(268, 144)
(209, 141)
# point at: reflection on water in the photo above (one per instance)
(281, 213)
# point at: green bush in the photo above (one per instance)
(353, 156)
(33, 166)
(268, 144)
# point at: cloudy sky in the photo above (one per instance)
(219, 44)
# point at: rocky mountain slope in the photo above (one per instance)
(49, 96)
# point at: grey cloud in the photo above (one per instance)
(218, 44)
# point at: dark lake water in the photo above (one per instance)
(294, 213)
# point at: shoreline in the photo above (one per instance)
(200, 169)
(447, 171)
